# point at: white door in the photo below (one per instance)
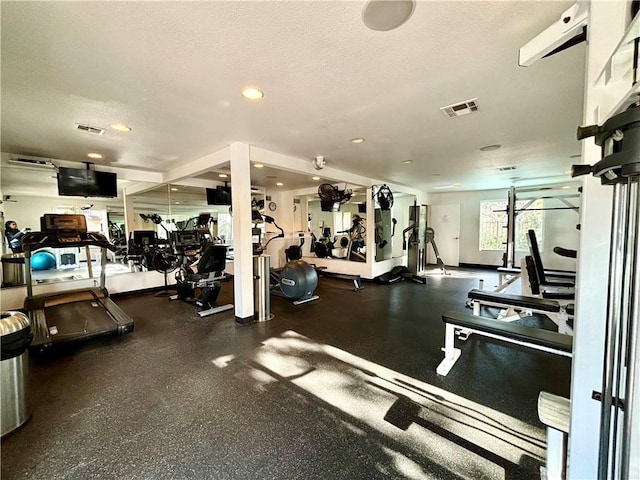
(445, 221)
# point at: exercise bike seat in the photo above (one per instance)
(211, 265)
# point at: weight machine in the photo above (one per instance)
(619, 168)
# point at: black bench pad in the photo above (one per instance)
(533, 303)
(543, 338)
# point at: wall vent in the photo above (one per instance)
(460, 109)
(90, 129)
(32, 162)
(506, 169)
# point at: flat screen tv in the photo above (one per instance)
(77, 182)
(219, 196)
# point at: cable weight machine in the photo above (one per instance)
(619, 168)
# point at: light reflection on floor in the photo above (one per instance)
(467, 438)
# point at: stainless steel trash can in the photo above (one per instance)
(15, 338)
(12, 269)
(261, 293)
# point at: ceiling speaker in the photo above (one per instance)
(384, 15)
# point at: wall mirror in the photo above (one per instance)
(28, 193)
(337, 229)
(392, 225)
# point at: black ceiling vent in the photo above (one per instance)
(90, 129)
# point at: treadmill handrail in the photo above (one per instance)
(33, 241)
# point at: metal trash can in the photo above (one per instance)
(15, 338)
(13, 269)
(261, 292)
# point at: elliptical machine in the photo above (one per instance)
(297, 280)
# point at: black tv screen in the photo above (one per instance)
(77, 182)
(106, 183)
(219, 196)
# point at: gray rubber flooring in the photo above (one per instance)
(342, 388)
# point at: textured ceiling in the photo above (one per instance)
(173, 71)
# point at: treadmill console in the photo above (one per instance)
(63, 223)
(186, 238)
(64, 230)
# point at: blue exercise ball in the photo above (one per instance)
(43, 260)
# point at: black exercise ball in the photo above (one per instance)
(298, 280)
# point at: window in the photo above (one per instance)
(225, 227)
(493, 224)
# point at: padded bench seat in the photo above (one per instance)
(535, 338)
(512, 307)
(550, 273)
(531, 303)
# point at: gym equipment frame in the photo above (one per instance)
(619, 139)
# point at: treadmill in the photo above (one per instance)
(71, 315)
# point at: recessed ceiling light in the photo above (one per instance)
(407, 161)
(566, 187)
(174, 189)
(567, 172)
(457, 184)
(488, 148)
(357, 140)
(258, 165)
(120, 127)
(280, 184)
(442, 187)
(94, 155)
(315, 178)
(177, 203)
(252, 93)
(223, 175)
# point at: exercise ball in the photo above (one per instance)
(43, 260)
(298, 280)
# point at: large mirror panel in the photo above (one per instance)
(338, 228)
(393, 222)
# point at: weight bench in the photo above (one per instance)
(514, 306)
(535, 338)
(509, 275)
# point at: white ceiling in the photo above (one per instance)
(173, 71)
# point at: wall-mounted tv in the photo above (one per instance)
(78, 182)
(219, 196)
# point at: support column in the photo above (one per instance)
(129, 215)
(242, 246)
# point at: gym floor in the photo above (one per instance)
(341, 388)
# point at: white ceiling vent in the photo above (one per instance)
(33, 162)
(90, 129)
(460, 109)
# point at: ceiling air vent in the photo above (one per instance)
(33, 162)
(506, 169)
(460, 109)
(90, 129)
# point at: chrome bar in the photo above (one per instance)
(103, 268)
(612, 323)
(632, 330)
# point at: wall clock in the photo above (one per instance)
(272, 206)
